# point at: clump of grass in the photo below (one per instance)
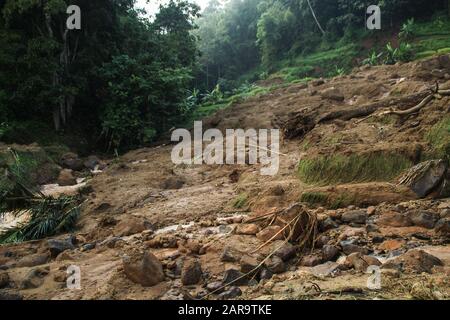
(352, 168)
(314, 198)
(439, 140)
(240, 201)
(342, 201)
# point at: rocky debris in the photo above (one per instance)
(394, 219)
(92, 163)
(423, 218)
(247, 229)
(311, 260)
(248, 264)
(326, 269)
(286, 251)
(71, 161)
(216, 287)
(88, 246)
(34, 278)
(10, 295)
(270, 233)
(361, 262)
(230, 255)
(234, 277)
(56, 247)
(275, 265)
(391, 245)
(330, 253)
(443, 227)
(144, 269)
(66, 178)
(425, 177)
(332, 94)
(131, 225)
(231, 293)
(265, 274)
(4, 279)
(349, 247)
(191, 273)
(173, 183)
(355, 216)
(33, 260)
(327, 224)
(415, 260)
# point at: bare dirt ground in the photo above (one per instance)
(198, 216)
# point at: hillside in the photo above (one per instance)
(340, 203)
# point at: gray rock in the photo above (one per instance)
(92, 162)
(231, 293)
(443, 226)
(229, 255)
(58, 246)
(332, 94)
(311, 260)
(423, 218)
(71, 161)
(265, 274)
(216, 287)
(248, 264)
(10, 295)
(330, 253)
(324, 270)
(350, 247)
(425, 177)
(327, 224)
(275, 265)
(191, 273)
(355, 216)
(234, 277)
(286, 252)
(88, 247)
(144, 269)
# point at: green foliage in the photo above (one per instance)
(408, 30)
(352, 168)
(403, 53)
(314, 198)
(373, 59)
(240, 201)
(439, 140)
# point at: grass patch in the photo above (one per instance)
(353, 168)
(314, 198)
(439, 140)
(240, 201)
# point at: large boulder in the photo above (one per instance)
(143, 268)
(425, 177)
(191, 273)
(332, 94)
(56, 246)
(415, 260)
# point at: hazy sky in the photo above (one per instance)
(153, 6)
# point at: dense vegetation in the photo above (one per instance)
(124, 80)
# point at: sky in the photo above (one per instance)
(153, 6)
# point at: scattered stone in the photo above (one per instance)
(327, 224)
(265, 274)
(356, 261)
(231, 293)
(349, 247)
(130, 226)
(191, 273)
(66, 178)
(230, 255)
(234, 277)
(248, 263)
(88, 247)
(56, 247)
(269, 234)
(33, 260)
(371, 211)
(35, 278)
(424, 177)
(247, 229)
(324, 270)
(216, 287)
(355, 216)
(394, 219)
(370, 227)
(311, 260)
(275, 265)
(330, 253)
(71, 161)
(173, 183)
(4, 279)
(92, 162)
(423, 218)
(322, 241)
(194, 246)
(390, 245)
(443, 227)
(144, 269)
(332, 94)
(286, 252)
(414, 260)
(371, 261)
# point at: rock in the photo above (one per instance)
(247, 229)
(230, 255)
(424, 177)
(355, 260)
(332, 94)
(370, 227)
(193, 246)
(34, 278)
(9, 295)
(414, 260)
(216, 287)
(391, 245)
(275, 265)
(66, 178)
(191, 273)
(286, 252)
(173, 183)
(265, 274)
(130, 226)
(324, 270)
(4, 279)
(355, 216)
(71, 161)
(443, 226)
(58, 246)
(317, 82)
(234, 277)
(33, 260)
(231, 293)
(248, 264)
(144, 269)
(330, 253)
(371, 211)
(269, 233)
(349, 247)
(445, 213)
(92, 162)
(88, 247)
(423, 218)
(311, 260)
(371, 261)
(322, 241)
(327, 224)
(394, 219)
